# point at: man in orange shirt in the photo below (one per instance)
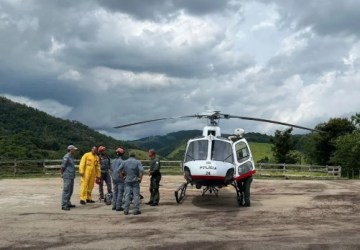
(89, 170)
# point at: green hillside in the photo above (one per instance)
(260, 151)
(27, 133)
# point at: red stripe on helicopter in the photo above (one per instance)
(207, 177)
(243, 176)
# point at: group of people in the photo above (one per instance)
(124, 176)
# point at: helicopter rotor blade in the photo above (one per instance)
(275, 122)
(217, 115)
(154, 120)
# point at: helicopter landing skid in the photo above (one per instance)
(239, 197)
(181, 192)
(210, 189)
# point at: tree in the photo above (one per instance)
(322, 145)
(355, 119)
(347, 153)
(283, 147)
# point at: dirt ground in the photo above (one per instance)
(296, 214)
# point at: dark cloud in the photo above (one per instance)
(325, 17)
(37, 88)
(114, 62)
(173, 62)
(312, 59)
(167, 9)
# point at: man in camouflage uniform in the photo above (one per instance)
(68, 174)
(155, 174)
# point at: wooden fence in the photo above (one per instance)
(283, 169)
(13, 168)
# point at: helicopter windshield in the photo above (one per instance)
(221, 151)
(197, 150)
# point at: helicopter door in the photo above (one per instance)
(243, 159)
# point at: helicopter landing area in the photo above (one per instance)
(285, 214)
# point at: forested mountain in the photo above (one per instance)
(27, 133)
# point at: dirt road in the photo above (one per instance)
(296, 214)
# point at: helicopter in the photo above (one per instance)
(212, 161)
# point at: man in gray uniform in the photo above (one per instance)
(132, 171)
(118, 181)
(68, 174)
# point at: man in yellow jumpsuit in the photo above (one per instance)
(89, 170)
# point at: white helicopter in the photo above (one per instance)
(212, 161)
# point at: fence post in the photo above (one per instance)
(15, 167)
(284, 168)
(340, 172)
(44, 169)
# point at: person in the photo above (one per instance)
(132, 171)
(244, 188)
(118, 181)
(68, 175)
(105, 172)
(89, 170)
(155, 174)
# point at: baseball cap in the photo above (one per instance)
(72, 147)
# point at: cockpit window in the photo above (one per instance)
(197, 150)
(242, 152)
(222, 151)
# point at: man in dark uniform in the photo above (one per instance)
(244, 187)
(155, 174)
(105, 172)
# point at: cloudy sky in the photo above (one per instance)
(110, 62)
